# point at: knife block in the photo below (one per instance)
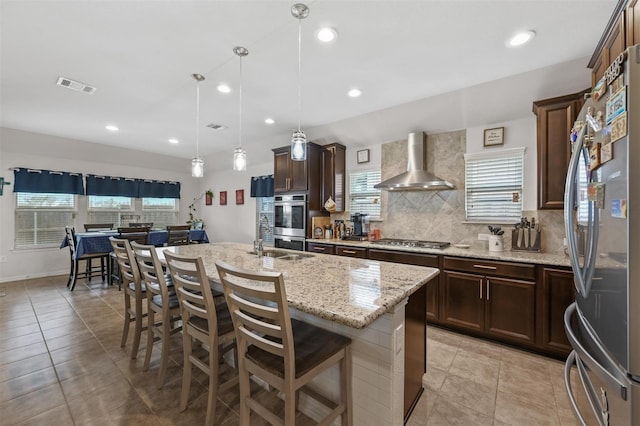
(524, 247)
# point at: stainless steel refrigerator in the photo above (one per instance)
(602, 225)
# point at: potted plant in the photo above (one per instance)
(195, 222)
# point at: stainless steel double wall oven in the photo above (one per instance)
(290, 221)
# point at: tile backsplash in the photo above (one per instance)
(439, 215)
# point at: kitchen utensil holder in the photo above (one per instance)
(532, 245)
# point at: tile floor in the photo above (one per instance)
(61, 364)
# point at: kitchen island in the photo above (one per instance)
(359, 298)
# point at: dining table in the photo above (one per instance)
(98, 242)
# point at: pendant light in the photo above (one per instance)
(239, 154)
(298, 139)
(197, 165)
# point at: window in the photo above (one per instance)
(122, 210)
(41, 218)
(363, 197)
(160, 211)
(264, 208)
(109, 209)
(493, 182)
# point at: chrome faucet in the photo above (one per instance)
(263, 228)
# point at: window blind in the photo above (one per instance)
(493, 186)
(364, 198)
(41, 218)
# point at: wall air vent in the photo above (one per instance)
(215, 126)
(75, 85)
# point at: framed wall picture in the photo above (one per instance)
(223, 198)
(494, 137)
(240, 196)
(363, 156)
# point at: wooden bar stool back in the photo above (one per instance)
(203, 321)
(284, 352)
(163, 309)
(90, 271)
(134, 289)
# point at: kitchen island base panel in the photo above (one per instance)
(377, 354)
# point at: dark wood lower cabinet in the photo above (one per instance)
(463, 304)
(321, 248)
(350, 251)
(557, 293)
(415, 348)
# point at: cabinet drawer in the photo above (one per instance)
(489, 267)
(321, 248)
(419, 259)
(351, 251)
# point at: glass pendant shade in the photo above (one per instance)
(239, 160)
(298, 146)
(197, 167)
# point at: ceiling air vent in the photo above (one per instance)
(75, 85)
(215, 126)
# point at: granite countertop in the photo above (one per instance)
(555, 259)
(349, 291)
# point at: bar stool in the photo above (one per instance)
(202, 320)
(134, 288)
(284, 352)
(161, 300)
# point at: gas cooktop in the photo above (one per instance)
(412, 243)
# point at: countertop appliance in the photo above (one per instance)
(412, 243)
(360, 224)
(602, 197)
(290, 217)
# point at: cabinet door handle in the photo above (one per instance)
(488, 283)
(481, 289)
(349, 251)
(319, 248)
(493, 268)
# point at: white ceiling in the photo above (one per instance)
(140, 55)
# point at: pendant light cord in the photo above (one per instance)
(299, 66)
(240, 112)
(198, 120)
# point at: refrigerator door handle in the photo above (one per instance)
(569, 217)
(582, 353)
(571, 359)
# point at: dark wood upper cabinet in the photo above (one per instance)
(334, 174)
(290, 175)
(555, 118)
(633, 22)
(620, 33)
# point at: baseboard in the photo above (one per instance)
(4, 280)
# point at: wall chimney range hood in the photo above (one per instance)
(416, 178)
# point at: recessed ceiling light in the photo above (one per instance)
(326, 34)
(111, 128)
(269, 120)
(174, 140)
(521, 38)
(223, 88)
(354, 93)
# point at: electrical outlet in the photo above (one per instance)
(483, 237)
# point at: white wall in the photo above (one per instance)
(25, 149)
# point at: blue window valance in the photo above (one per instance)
(47, 181)
(262, 186)
(159, 189)
(112, 186)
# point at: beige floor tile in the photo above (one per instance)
(58, 416)
(477, 368)
(32, 404)
(434, 378)
(440, 355)
(19, 353)
(517, 411)
(25, 366)
(532, 384)
(469, 394)
(482, 347)
(446, 413)
(102, 402)
(20, 341)
(27, 383)
(20, 330)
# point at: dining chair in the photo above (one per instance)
(96, 227)
(178, 235)
(163, 309)
(90, 271)
(134, 288)
(284, 352)
(203, 321)
(139, 234)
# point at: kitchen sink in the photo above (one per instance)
(284, 255)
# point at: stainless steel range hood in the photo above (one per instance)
(416, 178)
